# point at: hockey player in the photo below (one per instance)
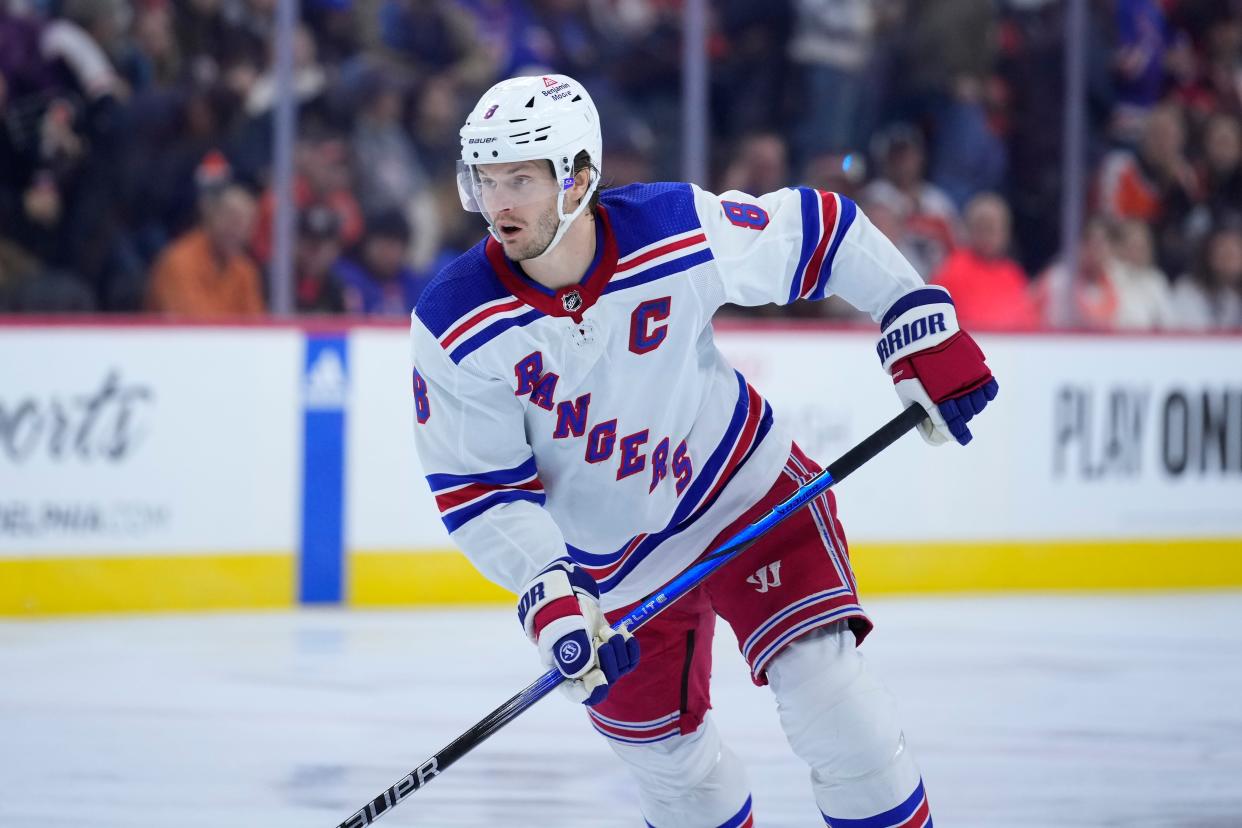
(585, 441)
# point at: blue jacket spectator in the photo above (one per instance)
(376, 280)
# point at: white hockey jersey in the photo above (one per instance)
(600, 420)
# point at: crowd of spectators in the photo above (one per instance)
(135, 143)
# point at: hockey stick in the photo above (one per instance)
(657, 603)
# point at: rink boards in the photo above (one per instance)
(162, 467)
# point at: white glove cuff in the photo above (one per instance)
(929, 320)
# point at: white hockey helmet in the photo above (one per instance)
(544, 117)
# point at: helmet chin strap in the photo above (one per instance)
(567, 220)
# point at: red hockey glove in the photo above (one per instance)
(935, 364)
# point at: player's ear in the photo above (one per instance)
(582, 180)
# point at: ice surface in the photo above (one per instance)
(1083, 710)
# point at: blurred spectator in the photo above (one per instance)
(837, 173)
(26, 285)
(831, 48)
(252, 21)
(1091, 285)
(1209, 298)
(109, 23)
(309, 78)
(323, 175)
(1144, 41)
(641, 56)
(114, 114)
(82, 38)
(1143, 298)
(968, 156)
(375, 279)
(430, 38)
(23, 71)
(1141, 185)
(317, 249)
(989, 288)
(335, 24)
(156, 42)
(17, 269)
(211, 45)
(573, 45)
(1031, 75)
(627, 159)
(1157, 184)
(760, 166)
(460, 230)
(436, 117)
(927, 219)
(175, 150)
(206, 273)
(1223, 59)
(1221, 169)
(60, 108)
(749, 74)
(949, 53)
(388, 173)
(947, 41)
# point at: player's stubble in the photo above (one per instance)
(542, 232)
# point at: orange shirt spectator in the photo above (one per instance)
(1140, 186)
(989, 289)
(206, 273)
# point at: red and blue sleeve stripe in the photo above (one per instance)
(463, 497)
(826, 218)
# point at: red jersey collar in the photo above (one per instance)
(571, 300)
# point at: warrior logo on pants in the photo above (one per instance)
(767, 577)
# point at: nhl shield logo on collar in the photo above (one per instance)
(571, 301)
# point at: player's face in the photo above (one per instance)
(520, 200)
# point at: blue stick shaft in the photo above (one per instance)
(699, 572)
(837, 471)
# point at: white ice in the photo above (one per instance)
(1044, 711)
